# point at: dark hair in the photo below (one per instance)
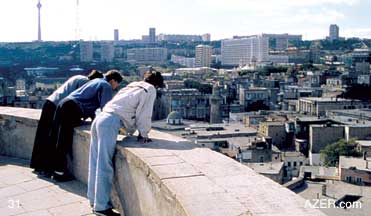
(113, 75)
(155, 78)
(95, 74)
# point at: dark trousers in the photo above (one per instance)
(67, 116)
(43, 149)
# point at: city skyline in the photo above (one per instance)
(222, 19)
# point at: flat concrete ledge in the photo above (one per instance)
(167, 177)
(17, 131)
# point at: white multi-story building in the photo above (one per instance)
(147, 55)
(177, 38)
(107, 52)
(279, 59)
(243, 51)
(86, 51)
(20, 84)
(206, 37)
(182, 60)
(203, 55)
(334, 32)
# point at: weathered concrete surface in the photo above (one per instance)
(17, 131)
(23, 193)
(170, 176)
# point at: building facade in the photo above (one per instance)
(243, 51)
(179, 38)
(116, 35)
(318, 106)
(355, 170)
(86, 51)
(275, 130)
(334, 32)
(206, 37)
(107, 52)
(147, 55)
(152, 35)
(185, 61)
(250, 96)
(203, 56)
(190, 103)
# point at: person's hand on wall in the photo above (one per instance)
(122, 131)
(143, 140)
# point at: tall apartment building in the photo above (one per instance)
(334, 32)
(107, 52)
(116, 35)
(203, 56)
(86, 51)
(152, 35)
(206, 37)
(242, 51)
(147, 55)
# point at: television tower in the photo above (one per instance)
(39, 23)
(77, 27)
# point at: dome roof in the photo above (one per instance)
(174, 115)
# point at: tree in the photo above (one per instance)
(202, 87)
(257, 105)
(357, 91)
(332, 152)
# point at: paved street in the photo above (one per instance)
(23, 193)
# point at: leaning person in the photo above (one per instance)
(80, 104)
(131, 108)
(42, 149)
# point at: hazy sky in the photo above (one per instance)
(220, 18)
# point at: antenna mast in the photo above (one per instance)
(39, 22)
(77, 27)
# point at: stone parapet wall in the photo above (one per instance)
(169, 176)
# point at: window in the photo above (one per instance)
(261, 159)
(301, 163)
(359, 180)
(349, 178)
(294, 163)
(289, 164)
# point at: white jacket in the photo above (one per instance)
(134, 105)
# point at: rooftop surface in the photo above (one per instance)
(168, 176)
(319, 171)
(335, 191)
(23, 193)
(228, 129)
(266, 168)
(365, 143)
(358, 163)
(325, 99)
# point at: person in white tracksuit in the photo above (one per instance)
(130, 108)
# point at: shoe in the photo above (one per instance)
(46, 174)
(107, 212)
(43, 173)
(63, 177)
